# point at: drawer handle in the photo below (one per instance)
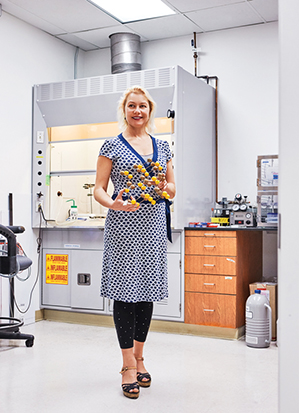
(209, 246)
(209, 235)
(208, 283)
(209, 265)
(206, 309)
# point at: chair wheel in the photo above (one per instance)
(29, 343)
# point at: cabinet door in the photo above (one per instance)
(200, 264)
(217, 310)
(211, 246)
(171, 306)
(210, 233)
(216, 284)
(86, 280)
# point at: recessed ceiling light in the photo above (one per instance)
(131, 10)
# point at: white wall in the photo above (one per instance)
(246, 62)
(28, 56)
(288, 257)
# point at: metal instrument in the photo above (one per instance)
(237, 212)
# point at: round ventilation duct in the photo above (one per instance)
(125, 52)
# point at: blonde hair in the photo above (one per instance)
(122, 122)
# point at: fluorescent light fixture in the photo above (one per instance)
(131, 10)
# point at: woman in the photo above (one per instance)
(134, 271)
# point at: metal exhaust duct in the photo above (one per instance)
(125, 52)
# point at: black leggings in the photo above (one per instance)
(132, 321)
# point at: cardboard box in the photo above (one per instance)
(271, 289)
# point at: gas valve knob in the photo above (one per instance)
(170, 114)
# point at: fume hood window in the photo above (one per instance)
(72, 158)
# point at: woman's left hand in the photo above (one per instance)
(163, 185)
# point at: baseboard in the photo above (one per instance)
(39, 315)
(172, 327)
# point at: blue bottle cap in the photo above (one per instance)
(257, 291)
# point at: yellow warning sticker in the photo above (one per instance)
(57, 269)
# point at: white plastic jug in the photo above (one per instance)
(258, 321)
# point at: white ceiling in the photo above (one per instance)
(84, 25)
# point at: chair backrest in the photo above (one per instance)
(12, 263)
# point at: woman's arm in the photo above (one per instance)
(169, 184)
(104, 166)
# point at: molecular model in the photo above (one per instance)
(148, 181)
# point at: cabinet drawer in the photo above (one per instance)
(211, 233)
(210, 309)
(217, 284)
(200, 264)
(211, 246)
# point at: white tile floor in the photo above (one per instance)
(74, 368)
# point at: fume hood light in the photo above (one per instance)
(129, 11)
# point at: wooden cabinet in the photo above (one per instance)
(219, 266)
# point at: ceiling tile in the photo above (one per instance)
(77, 41)
(82, 24)
(224, 17)
(30, 18)
(70, 15)
(268, 9)
(164, 27)
(100, 37)
(193, 5)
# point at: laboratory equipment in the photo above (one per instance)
(267, 194)
(221, 212)
(237, 212)
(242, 213)
(72, 119)
(258, 321)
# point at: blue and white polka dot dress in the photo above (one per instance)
(135, 243)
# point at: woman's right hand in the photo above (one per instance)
(120, 205)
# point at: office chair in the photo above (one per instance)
(11, 264)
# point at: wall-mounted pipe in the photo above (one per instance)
(195, 54)
(76, 63)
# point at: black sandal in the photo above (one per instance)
(127, 387)
(142, 376)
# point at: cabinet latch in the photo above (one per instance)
(84, 279)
